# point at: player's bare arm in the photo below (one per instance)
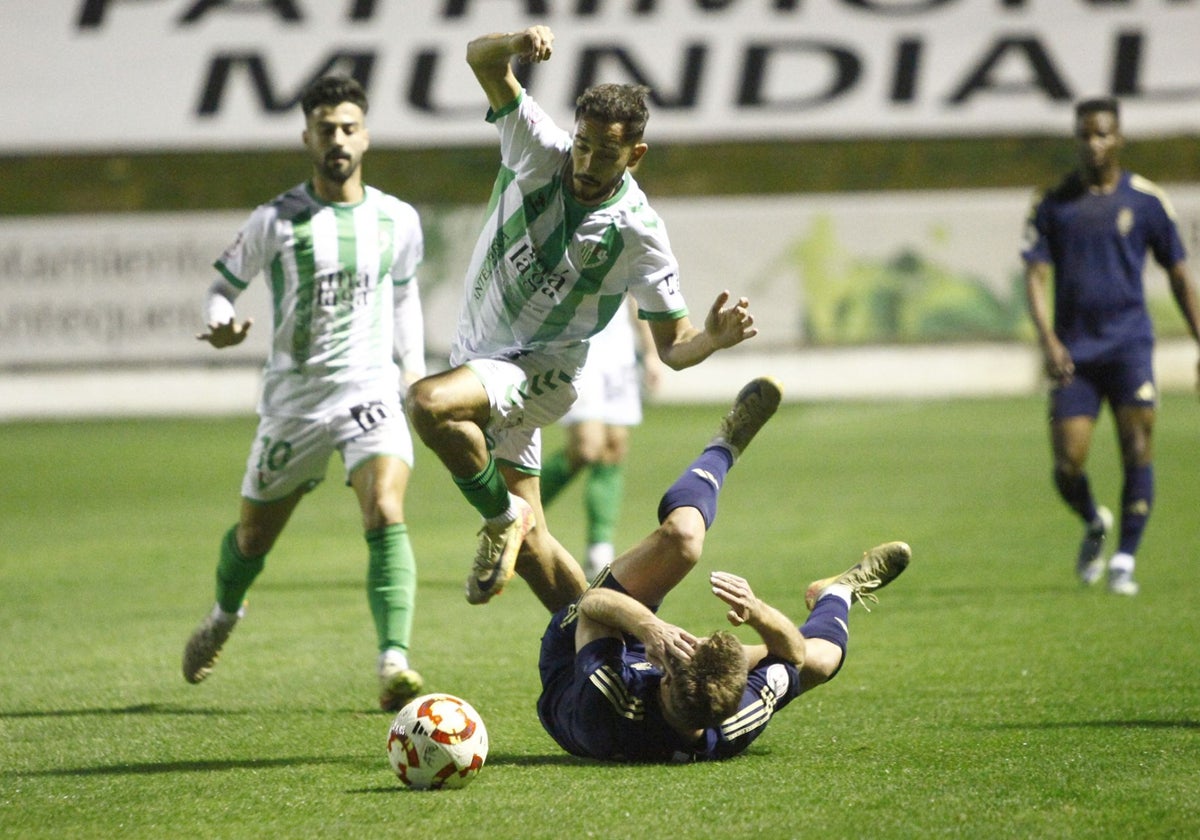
(780, 636)
(1060, 367)
(606, 612)
(490, 58)
(681, 344)
(1184, 292)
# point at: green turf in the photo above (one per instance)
(986, 696)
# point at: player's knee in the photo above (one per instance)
(420, 402)
(685, 535)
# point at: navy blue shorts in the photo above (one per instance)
(1128, 380)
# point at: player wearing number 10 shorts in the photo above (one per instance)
(340, 261)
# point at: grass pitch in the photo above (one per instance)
(986, 696)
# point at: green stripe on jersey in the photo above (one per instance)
(304, 254)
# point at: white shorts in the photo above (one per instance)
(525, 394)
(292, 453)
(610, 393)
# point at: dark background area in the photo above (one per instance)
(115, 182)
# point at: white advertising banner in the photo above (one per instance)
(822, 271)
(103, 75)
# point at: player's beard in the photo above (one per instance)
(338, 167)
(592, 192)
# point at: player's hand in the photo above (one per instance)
(1060, 367)
(729, 326)
(734, 591)
(667, 642)
(227, 334)
(533, 45)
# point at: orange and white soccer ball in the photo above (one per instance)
(437, 741)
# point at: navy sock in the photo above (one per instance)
(1137, 497)
(1076, 491)
(827, 621)
(698, 485)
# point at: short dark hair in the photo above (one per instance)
(330, 91)
(708, 689)
(1098, 105)
(611, 103)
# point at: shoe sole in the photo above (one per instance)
(768, 393)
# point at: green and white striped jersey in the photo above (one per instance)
(341, 277)
(548, 272)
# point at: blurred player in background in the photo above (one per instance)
(621, 684)
(620, 363)
(569, 234)
(1092, 233)
(341, 259)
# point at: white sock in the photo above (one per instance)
(838, 590)
(393, 658)
(1121, 562)
(510, 513)
(220, 615)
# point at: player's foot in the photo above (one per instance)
(1089, 564)
(398, 683)
(752, 408)
(206, 642)
(496, 556)
(877, 568)
(1121, 582)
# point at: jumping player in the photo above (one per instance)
(621, 684)
(1092, 232)
(569, 235)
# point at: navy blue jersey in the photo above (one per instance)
(1097, 245)
(603, 702)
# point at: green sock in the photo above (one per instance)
(602, 500)
(391, 585)
(486, 490)
(556, 475)
(235, 573)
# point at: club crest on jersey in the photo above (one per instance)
(592, 255)
(1124, 221)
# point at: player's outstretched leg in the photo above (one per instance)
(496, 556)
(688, 508)
(752, 408)
(206, 641)
(1089, 563)
(877, 568)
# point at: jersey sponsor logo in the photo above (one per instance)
(342, 287)
(609, 684)
(1124, 221)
